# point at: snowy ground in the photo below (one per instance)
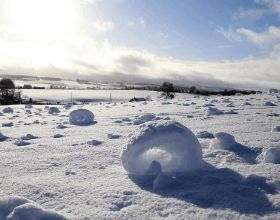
(76, 171)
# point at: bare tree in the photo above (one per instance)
(7, 91)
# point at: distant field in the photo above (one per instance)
(85, 95)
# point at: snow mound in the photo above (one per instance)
(21, 143)
(170, 144)
(272, 91)
(231, 112)
(113, 136)
(271, 155)
(28, 137)
(223, 141)
(61, 126)
(17, 208)
(3, 137)
(204, 134)
(8, 124)
(144, 118)
(28, 106)
(57, 136)
(94, 142)
(213, 111)
(81, 117)
(8, 110)
(247, 103)
(269, 103)
(67, 106)
(53, 110)
(276, 129)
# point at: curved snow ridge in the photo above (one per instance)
(81, 117)
(168, 144)
(18, 208)
(271, 155)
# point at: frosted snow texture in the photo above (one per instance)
(171, 144)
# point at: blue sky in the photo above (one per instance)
(185, 29)
(212, 42)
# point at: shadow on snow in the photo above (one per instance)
(216, 188)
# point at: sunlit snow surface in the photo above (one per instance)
(76, 171)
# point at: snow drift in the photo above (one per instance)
(81, 117)
(169, 145)
(17, 208)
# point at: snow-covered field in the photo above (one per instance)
(192, 157)
(82, 96)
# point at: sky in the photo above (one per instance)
(233, 43)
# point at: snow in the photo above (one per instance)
(94, 142)
(144, 118)
(213, 111)
(65, 171)
(204, 134)
(17, 208)
(3, 137)
(271, 155)
(81, 117)
(21, 143)
(53, 110)
(8, 110)
(171, 144)
(276, 129)
(269, 103)
(223, 141)
(28, 137)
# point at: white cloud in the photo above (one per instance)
(229, 34)
(139, 22)
(251, 14)
(104, 26)
(268, 37)
(273, 5)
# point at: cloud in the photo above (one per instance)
(268, 37)
(229, 34)
(251, 14)
(139, 22)
(273, 5)
(103, 26)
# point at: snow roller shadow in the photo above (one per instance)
(213, 188)
(248, 154)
